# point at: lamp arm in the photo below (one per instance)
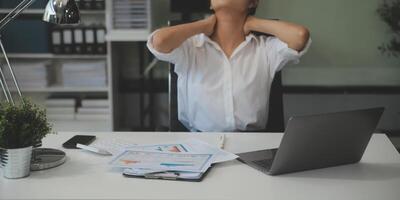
(19, 6)
(15, 12)
(12, 75)
(4, 85)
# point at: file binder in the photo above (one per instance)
(67, 40)
(100, 40)
(79, 47)
(89, 40)
(86, 4)
(99, 4)
(56, 40)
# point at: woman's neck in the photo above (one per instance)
(229, 33)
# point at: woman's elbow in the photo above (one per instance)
(303, 35)
(160, 43)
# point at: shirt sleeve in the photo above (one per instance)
(279, 54)
(179, 56)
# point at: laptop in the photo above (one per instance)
(318, 141)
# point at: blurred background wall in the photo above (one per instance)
(346, 35)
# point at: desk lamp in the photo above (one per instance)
(57, 12)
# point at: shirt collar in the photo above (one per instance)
(202, 39)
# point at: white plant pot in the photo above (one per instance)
(18, 163)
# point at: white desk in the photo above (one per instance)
(87, 176)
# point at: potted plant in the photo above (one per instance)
(389, 12)
(22, 127)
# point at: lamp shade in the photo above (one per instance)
(62, 12)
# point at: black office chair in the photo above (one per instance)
(275, 115)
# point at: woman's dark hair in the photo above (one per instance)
(252, 11)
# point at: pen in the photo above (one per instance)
(93, 149)
(221, 141)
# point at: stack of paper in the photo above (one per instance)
(94, 109)
(60, 109)
(131, 14)
(29, 75)
(89, 74)
(189, 159)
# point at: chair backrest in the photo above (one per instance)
(275, 116)
(174, 124)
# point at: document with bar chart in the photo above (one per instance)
(163, 161)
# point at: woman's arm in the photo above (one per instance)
(296, 36)
(167, 39)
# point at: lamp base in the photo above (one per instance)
(44, 158)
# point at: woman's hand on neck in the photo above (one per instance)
(229, 32)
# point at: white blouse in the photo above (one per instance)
(217, 93)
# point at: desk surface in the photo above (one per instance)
(88, 176)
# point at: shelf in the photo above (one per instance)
(41, 11)
(59, 89)
(128, 35)
(92, 12)
(51, 56)
(27, 11)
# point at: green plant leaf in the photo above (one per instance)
(22, 125)
(389, 12)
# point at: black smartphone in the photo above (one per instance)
(79, 139)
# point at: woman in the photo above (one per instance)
(225, 71)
